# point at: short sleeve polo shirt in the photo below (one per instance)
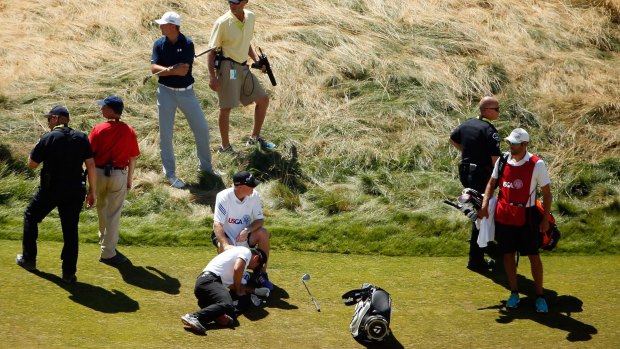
(114, 141)
(62, 152)
(479, 140)
(233, 36)
(167, 54)
(223, 265)
(235, 214)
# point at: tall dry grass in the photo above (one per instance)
(364, 85)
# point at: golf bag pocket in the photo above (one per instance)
(373, 310)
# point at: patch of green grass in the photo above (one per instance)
(141, 303)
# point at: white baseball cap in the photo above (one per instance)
(518, 135)
(169, 18)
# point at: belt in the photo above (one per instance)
(232, 60)
(179, 88)
(115, 168)
(208, 273)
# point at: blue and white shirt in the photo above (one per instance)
(235, 214)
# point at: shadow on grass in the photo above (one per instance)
(276, 300)
(390, 343)
(560, 308)
(94, 297)
(206, 189)
(141, 277)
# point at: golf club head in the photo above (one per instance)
(305, 277)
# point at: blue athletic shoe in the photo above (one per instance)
(263, 281)
(513, 300)
(541, 305)
(265, 144)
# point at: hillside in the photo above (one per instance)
(368, 93)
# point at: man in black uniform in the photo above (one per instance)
(478, 141)
(62, 152)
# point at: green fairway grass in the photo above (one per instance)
(437, 302)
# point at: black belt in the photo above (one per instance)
(208, 273)
(232, 60)
(116, 168)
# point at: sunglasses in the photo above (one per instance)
(513, 143)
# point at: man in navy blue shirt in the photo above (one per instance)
(172, 59)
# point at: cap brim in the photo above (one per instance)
(160, 21)
(101, 103)
(512, 140)
(253, 184)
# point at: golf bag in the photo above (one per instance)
(373, 310)
(469, 203)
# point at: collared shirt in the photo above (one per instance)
(223, 265)
(167, 54)
(233, 36)
(479, 140)
(235, 214)
(62, 152)
(114, 141)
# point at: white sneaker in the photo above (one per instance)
(176, 182)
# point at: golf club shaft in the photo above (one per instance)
(205, 51)
(311, 296)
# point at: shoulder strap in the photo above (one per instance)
(503, 160)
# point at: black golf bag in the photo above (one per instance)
(373, 310)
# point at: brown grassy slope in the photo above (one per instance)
(386, 75)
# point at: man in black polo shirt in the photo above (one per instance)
(478, 141)
(62, 152)
(172, 60)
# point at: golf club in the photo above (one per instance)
(170, 68)
(205, 51)
(303, 281)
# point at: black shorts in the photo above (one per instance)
(511, 239)
(215, 242)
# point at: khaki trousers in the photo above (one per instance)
(111, 192)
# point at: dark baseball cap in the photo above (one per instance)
(114, 102)
(58, 110)
(245, 178)
(263, 257)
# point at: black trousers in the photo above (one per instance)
(476, 180)
(69, 204)
(213, 298)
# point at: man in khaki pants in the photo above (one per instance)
(116, 148)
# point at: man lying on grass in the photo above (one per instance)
(225, 272)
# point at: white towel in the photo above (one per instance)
(487, 225)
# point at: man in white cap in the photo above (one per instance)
(515, 226)
(172, 60)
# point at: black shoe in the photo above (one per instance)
(481, 266)
(119, 258)
(28, 265)
(69, 278)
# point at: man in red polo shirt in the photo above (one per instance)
(116, 148)
(515, 226)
